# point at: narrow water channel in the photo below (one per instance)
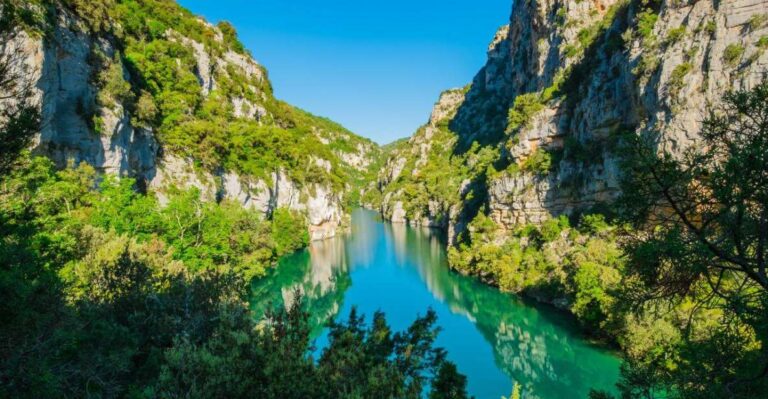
(494, 338)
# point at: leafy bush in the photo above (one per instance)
(710, 27)
(552, 228)
(733, 53)
(757, 21)
(539, 162)
(146, 109)
(230, 37)
(114, 88)
(674, 35)
(561, 16)
(127, 298)
(593, 224)
(587, 36)
(523, 109)
(762, 43)
(95, 13)
(677, 78)
(571, 50)
(289, 231)
(598, 267)
(646, 22)
(551, 262)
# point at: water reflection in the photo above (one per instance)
(493, 337)
(536, 347)
(320, 273)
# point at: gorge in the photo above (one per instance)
(493, 338)
(586, 218)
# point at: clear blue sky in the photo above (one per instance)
(376, 67)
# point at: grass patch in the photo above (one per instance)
(733, 53)
(762, 42)
(646, 22)
(677, 78)
(757, 21)
(674, 35)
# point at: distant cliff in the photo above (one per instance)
(535, 135)
(148, 90)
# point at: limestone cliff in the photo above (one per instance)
(94, 75)
(535, 134)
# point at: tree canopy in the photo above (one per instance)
(701, 220)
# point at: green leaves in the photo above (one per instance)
(289, 231)
(732, 54)
(521, 112)
(702, 214)
(204, 235)
(646, 22)
(107, 281)
(360, 361)
(579, 267)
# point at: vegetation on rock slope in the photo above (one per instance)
(150, 70)
(688, 315)
(103, 293)
(683, 296)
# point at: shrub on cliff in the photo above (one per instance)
(704, 222)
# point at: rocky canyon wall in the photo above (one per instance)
(78, 127)
(563, 82)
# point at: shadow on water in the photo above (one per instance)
(494, 338)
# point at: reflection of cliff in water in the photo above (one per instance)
(320, 273)
(536, 347)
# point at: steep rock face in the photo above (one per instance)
(409, 158)
(567, 79)
(78, 125)
(663, 83)
(321, 205)
(60, 71)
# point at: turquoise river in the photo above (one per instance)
(494, 338)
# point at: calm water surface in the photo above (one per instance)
(494, 338)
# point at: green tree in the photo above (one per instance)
(289, 231)
(704, 219)
(449, 384)
(360, 361)
(19, 118)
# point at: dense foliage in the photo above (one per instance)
(574, 268)
(18, 119)
(105, 293)
(126, 320)
(701, 251)
(681, 286)
(675, 277)
(203, 235)
(360, 362)
(151, 67)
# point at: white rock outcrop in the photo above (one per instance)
(59, 67)
(626, 83)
